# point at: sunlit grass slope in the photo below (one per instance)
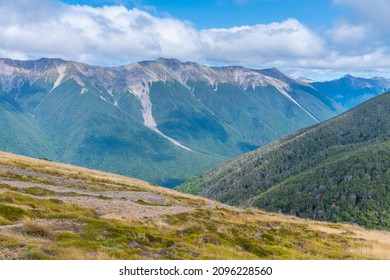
(57, 211)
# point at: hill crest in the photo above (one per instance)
(57, 211)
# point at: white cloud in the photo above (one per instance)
(262, 43)
(113, 35)
(349, 35)
(104, 35)
(375, 12)
(368, 16)
(377, 60)
(359, 40)
(13, 54)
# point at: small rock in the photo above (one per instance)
(134, 244)
(195, 255)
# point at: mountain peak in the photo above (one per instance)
(305, 80)
(50, 60)
(181, 108)
(162, 60)
(276, 73)
(348, 76)
(169, 60)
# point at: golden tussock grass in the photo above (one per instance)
(375, 244)
(77, 254)
(17, 237)
(207, 230)
(89, 175)
(36, 228)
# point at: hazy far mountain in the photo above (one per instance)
(350, 91)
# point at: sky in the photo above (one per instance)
(318, 39)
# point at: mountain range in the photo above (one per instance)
(337, 171)
(350, 91)
(163, 120)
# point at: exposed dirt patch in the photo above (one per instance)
(11, 254)
(111, 203)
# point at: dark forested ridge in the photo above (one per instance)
(335, 171)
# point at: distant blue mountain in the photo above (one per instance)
(350, 91)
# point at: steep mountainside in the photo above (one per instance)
(161, 120)
(19, 131)
(336, 171)
(56, 211)
(350, 91)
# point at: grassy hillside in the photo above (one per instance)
(335, 171)
(57, 211)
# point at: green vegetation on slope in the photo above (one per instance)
(187, 120)
(87, 115)
(20, 132)
(94, 133)
(48, 221)
(350, 186)
(335, 171)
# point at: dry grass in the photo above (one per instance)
(12, 235)
(198, 227)
(324, 227)
(89, 175)
(77, 254)
(36, 228)
(369, 244)
(73, 172)
(4, 222)
(375, 244)
(376, 251)
(66, 170)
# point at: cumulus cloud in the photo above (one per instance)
(375, 12)
(262, 43)
(112, 35)
(103, 35)
(349, 35)
(359, 41)
(370, 22)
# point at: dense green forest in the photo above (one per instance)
(335, 171)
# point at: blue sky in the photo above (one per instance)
(230, 13)
(319, 39)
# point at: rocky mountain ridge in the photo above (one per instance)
(350, 91)
(161, 115)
